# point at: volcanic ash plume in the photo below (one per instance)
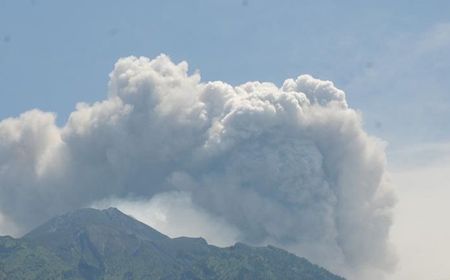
(289, 166)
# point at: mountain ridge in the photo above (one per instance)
(108, 244)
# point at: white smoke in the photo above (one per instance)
(174, 214)
(290, 165)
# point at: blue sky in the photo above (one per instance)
(392, 58)
(54, 54)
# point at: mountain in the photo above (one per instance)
(107, 244)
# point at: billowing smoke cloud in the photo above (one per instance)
(288, 165)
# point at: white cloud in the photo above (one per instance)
(289, 165)
(422, 227)
(174, 214)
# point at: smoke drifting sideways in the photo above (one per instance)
(289, 166)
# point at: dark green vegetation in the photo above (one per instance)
(93, 244)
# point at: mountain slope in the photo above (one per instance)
(107, 244)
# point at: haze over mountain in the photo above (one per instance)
(107, 244)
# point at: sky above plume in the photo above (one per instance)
(217, 119)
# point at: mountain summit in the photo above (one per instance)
(107, 244)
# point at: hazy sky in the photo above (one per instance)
(392, 58)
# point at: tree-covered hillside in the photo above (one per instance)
(107, 244)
